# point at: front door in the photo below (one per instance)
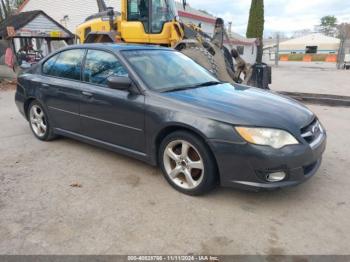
(109, 115)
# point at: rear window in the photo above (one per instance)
(66, 64)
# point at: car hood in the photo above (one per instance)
(243, 105)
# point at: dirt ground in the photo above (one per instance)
(6, 85)
(126, 207)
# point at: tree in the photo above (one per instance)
(343, 31)
(5, 9)
(328, 25)
(17, 3)
(255, 27)
(8, 7)
(343, 35)
(300, 33)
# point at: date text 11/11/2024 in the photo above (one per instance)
(173, 258)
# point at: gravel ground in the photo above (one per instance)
(126, 207)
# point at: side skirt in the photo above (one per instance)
(118, 149)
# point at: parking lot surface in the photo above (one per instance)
(126, 207)
(311, 77)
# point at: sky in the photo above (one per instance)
(280, 15)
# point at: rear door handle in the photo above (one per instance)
(88, 94)
(45, 85)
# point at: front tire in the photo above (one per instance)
(39, 122)
(187, 163)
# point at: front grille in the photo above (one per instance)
(312, 131)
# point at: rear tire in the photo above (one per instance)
(187, 163)
(39, 122)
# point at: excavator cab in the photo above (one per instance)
(140, 21)
(150, 21)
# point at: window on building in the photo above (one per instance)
(240, 49)
(311, 50)
(66, 64)
(100, 65)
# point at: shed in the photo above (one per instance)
(33, 34)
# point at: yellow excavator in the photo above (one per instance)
(157, 22)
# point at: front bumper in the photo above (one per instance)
(245, 165)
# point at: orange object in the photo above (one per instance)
(331, 58)
(284, 58)
(307, 58)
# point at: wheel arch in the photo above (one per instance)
(27, 102)
(174, 127)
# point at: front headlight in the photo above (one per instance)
(267, 136)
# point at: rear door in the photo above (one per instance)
(62, 88)
(109, 115)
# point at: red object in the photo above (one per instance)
(9, 58)
(197, 17)
(22, 6)
(331, 58)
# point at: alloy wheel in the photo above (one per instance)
(183, 164)
(38, 120)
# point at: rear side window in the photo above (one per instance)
(49, 63)
(100, 65)
(66, 64)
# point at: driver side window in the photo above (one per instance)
(100, 65)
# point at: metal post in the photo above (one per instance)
(340, 58)
(277, 50)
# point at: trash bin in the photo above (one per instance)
(261, 76)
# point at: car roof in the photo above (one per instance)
(118, 47)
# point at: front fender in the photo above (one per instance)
(162, 121)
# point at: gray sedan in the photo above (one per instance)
(159, 106)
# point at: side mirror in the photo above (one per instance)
(25, 65)
(119, 82)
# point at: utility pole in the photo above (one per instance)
(341, 53)
(277, 49)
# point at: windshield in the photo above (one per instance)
(164, 70)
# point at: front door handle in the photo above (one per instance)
(88, 94)
(45, 85)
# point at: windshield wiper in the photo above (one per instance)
(209, 83)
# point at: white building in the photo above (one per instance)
(196, 17)
(71, 13)
(246, 47)
(310, 44)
